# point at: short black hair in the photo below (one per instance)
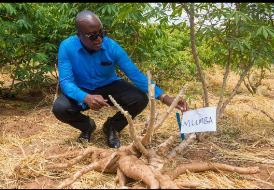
(84, 15)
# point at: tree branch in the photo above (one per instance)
(271, 118)
(233, 93)
(227, 66)
(181, 147)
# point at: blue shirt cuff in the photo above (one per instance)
(158, 92)
(80, 96)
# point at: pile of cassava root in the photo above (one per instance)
(138, 160)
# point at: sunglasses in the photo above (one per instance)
(94, 36)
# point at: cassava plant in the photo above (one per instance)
(139, 160)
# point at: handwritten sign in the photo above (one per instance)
(199, 120)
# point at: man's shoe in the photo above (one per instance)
(112, 139)
(85, 135)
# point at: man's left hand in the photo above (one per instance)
(182, 104)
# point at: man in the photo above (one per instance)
(86, 65)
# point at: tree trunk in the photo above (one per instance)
(190, 12)
(248, 86)
(13, 77)
(224, 82)
(233, 93)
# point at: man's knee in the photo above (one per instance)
(141, 101)
(59, 109)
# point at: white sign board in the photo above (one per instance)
(199, 120)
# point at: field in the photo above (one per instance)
(245, 137)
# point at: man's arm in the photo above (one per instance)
(66, 78)
(132, 72)
(68, 86)
(166, 99)
(140, 80)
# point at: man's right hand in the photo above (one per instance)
(95, 102)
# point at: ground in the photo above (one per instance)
(245, 137)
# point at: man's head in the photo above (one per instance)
(89, 30)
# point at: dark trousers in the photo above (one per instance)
(126, 95)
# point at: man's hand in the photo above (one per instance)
(182, 104)
(95, 102)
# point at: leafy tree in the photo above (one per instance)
(239, 35)
(244, 39)
(26, 44)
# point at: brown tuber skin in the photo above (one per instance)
(121, 178)
(135, 168)
(200, 167)
(165, 181)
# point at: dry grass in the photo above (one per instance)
(245, 137)
(213, 180)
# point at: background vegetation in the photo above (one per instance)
(177, 42)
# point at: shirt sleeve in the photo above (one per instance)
(66, 78)
(131, 70)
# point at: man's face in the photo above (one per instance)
(90, 33)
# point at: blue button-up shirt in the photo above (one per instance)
(80, 69)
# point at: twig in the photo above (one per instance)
(171, 107)
(149, 133)
(181, 147)
(163, 148)
(147, 122)
(136, 141)
(57, 85)
(271, 118)
(270, 175)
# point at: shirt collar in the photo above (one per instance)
(79, 45)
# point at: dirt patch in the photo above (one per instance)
(23, 129)
(41, 182)
(201, 152)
